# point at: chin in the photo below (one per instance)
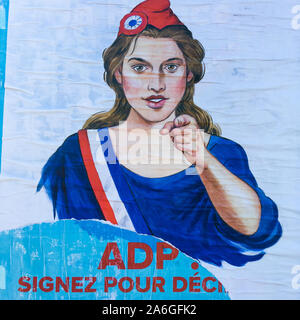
(156, 116)
(153, 115)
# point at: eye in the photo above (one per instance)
(139, 68)
(172, 67)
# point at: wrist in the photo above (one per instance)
(207, 164)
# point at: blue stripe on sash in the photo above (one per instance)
(121, 184)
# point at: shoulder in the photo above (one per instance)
(67, 149)
(226, 148)
(66, 155)
(70, 141)
(73, 142)
(222, 141)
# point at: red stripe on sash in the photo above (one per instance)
(94, 177)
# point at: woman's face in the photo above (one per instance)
(154, 77)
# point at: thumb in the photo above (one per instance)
(184, 120)
(168, 126)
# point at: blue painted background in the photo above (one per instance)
(3, 40)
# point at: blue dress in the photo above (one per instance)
(175, 208)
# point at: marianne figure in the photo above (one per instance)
(116, 168)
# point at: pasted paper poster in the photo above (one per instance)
(149, 150)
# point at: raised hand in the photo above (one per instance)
(187, 137)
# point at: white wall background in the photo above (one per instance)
(251, 88)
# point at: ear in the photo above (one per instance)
(118, 76)
(190, 76)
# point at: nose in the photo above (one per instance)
(157, 82)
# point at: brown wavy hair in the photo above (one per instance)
(113, 57)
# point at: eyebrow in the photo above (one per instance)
(143, 60)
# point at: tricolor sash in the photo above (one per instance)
(108, 182)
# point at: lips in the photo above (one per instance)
(156, 102)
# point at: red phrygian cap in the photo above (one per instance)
(150, 12)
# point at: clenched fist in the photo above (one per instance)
(187, 137)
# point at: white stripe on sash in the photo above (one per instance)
(108, 184)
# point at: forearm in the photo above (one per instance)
(235, 201)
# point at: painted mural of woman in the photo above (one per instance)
(209, 205)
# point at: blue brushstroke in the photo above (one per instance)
(70, 248)
(4, 4)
